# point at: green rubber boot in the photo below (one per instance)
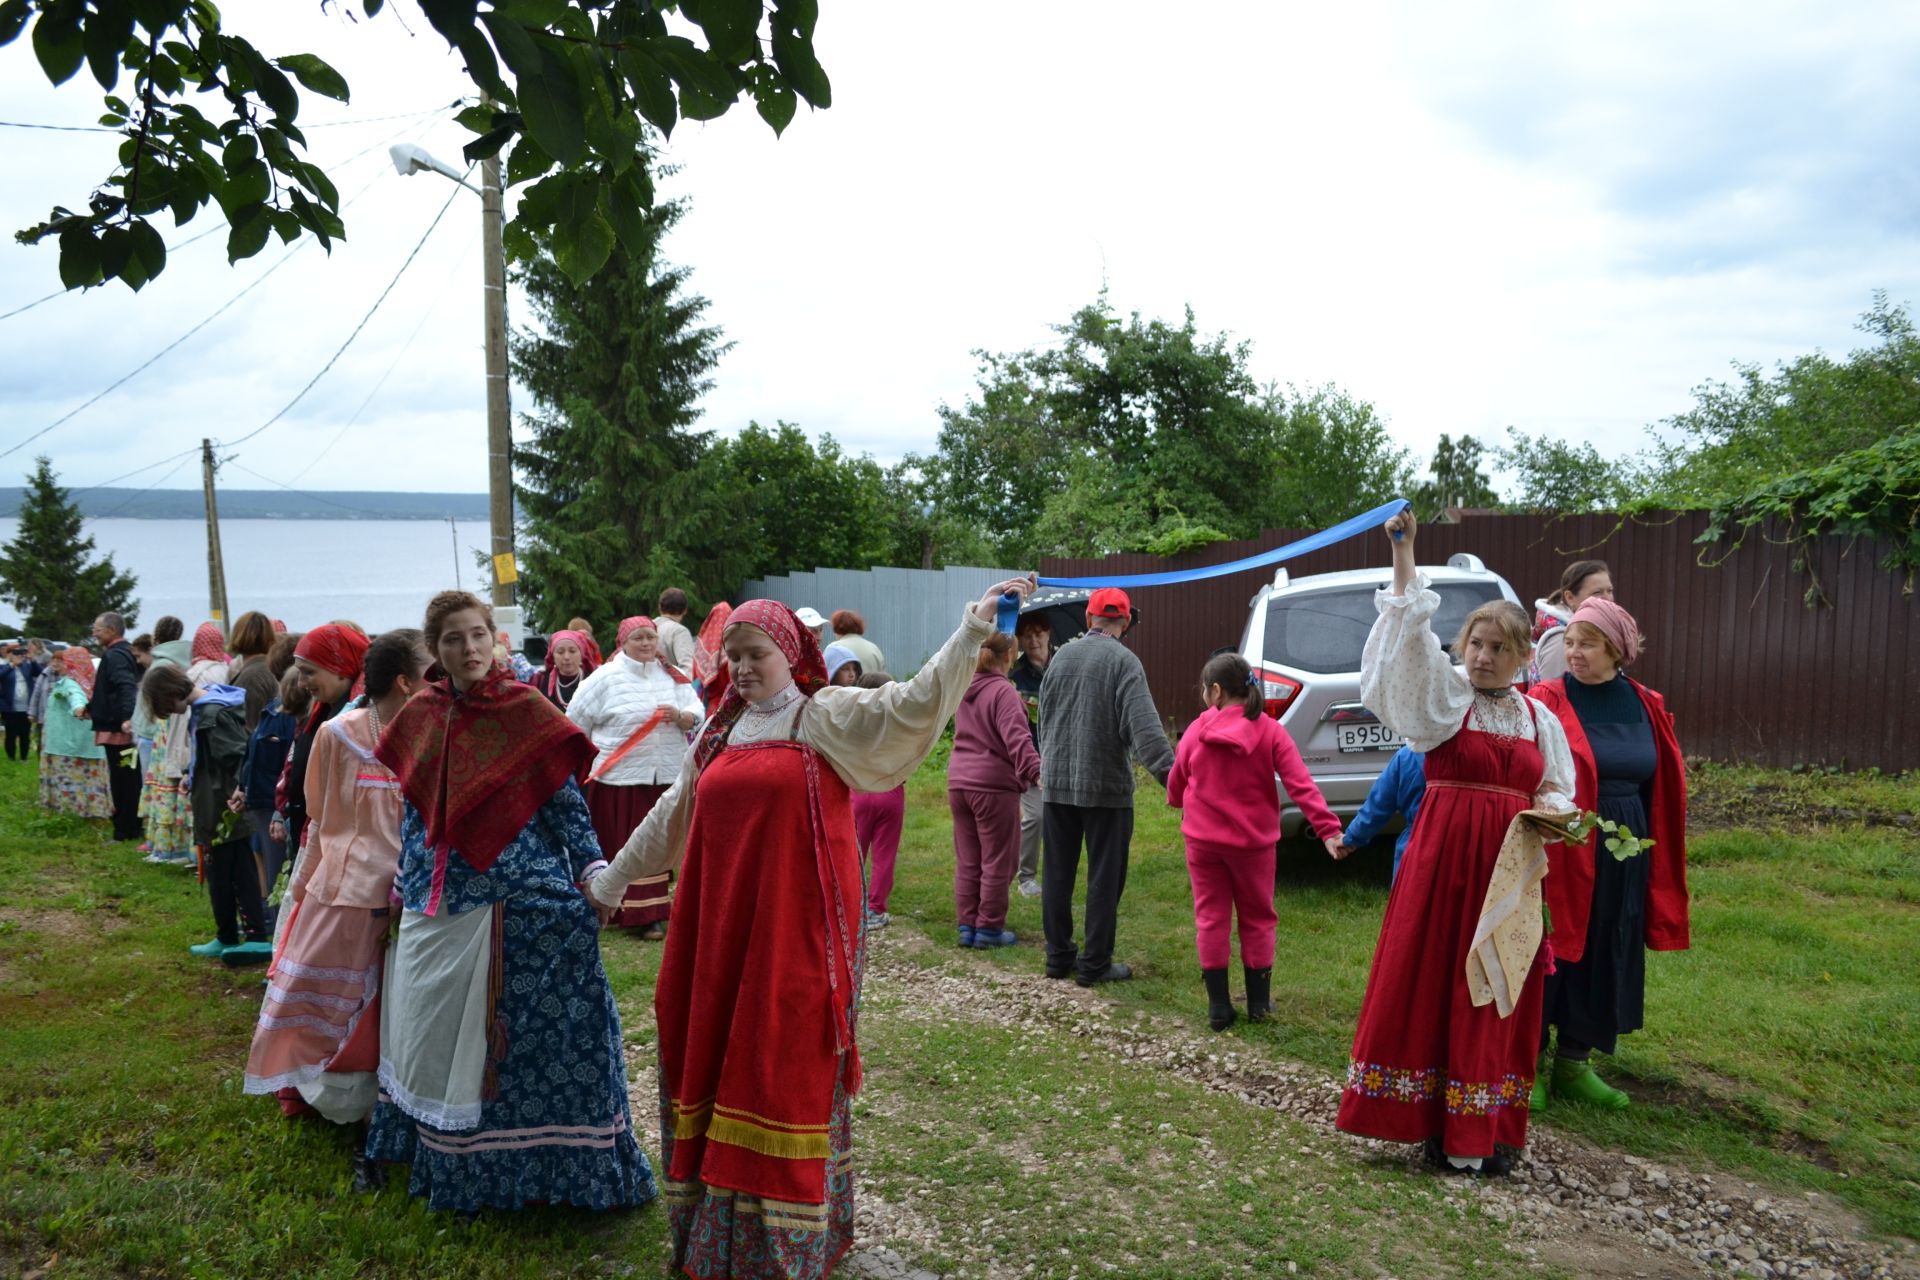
(1542, 1087)
(1578, 1081)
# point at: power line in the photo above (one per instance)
(399, 355)
(331, 360)
(127, 377)
(58, 128)
(185, 458)
(317, 497)
(221, 225)
(325, 124)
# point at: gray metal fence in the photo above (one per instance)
(909, 612)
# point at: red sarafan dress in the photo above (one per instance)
(760, 977)
(1427, 1062)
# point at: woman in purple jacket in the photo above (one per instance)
(993, 762)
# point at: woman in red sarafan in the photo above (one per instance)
(758, 985)
(1429, 1064)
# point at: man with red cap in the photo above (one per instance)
(1096, 717)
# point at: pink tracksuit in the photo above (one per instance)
(1222, 780)
(993, 761)
(877, 819)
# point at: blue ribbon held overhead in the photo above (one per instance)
(1360, 524)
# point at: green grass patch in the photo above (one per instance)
(1784, 1046)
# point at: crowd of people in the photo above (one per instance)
(421, 835)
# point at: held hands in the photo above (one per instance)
(990, 602)
(237, 801)
(1337, 847)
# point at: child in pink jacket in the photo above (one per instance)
(1222, 779)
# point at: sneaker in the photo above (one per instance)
(155, 857)
(987, 939)
(1029, 888)
(966, 935)
(878, 920)
(1115, 972)
(213, 949)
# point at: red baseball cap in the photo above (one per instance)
(1109, 602)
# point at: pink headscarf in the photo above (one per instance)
(795, 640)
(208, 644)
(1613, 622)
(631, 625)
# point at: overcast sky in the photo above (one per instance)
(1556, 217)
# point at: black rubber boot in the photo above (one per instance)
(1220, 1012)
(1259, 994)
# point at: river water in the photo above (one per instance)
(378, 573)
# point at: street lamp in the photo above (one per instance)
(409, 159)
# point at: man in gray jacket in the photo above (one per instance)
(1096, 717)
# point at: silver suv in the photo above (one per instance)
(1304, 638)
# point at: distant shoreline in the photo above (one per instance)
(264, 504)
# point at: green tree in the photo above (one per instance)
(209, 118)
(610, 511)
(783, 502)
(1459, 478)
(46, 571)
(1552, 476)
(1742, 435)
(1140, 435)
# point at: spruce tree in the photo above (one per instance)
(611, 512)
(46, 572)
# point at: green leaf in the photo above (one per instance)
(732, 28)
(116, 248)
(582, 245)
(451, 17)
(316, 75)
(776, 107)
(372, 8)
(534, 13)
(613, 134)
(515, 44)
(629, 218)
(540, 204)
(488, 144)
(551, 106)
(479, 119)
(79, 256)
(13, 19)
(107, 35)
(239, 152)
(247, 232)
(795, 58)
(652, 90)
(482, 66)
(149, 249)
(57, 40)
(526, 162)
(249, 184)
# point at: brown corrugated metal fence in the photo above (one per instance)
(1751, 673)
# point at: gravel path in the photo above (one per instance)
(1598, 1212)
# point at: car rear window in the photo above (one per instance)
(1324, 631)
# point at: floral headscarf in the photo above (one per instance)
(79, 665)
(208, 644)
(794, 639)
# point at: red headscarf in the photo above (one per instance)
(478, 765)
(794, 639)
(79, 664)
(337, 649)
(279, 627)
(1614, 622)
(630, 625)
(208, 644)
(707, 661)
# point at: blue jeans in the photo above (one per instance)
(272, 854)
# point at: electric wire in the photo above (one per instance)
(331, 360)
(150, 360)
(324, 124)
(339, 166)
(141, 493)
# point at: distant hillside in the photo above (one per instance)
(267, 504)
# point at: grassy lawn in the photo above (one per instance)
(127, 1148)
(1785, 1046)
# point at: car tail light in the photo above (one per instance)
(1279, 692)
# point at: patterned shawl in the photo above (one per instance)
(208, 644)
(707, 661)
(795, 640)
(478, 765)
(79, 665)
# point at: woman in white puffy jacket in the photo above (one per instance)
(638, 710)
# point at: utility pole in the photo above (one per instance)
(216, 564)
(453, 531)
(499, 412)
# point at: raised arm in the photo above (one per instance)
(1406, 678)
(876, 738)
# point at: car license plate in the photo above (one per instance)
(1366, 737)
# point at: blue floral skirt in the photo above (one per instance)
(554, 1122)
